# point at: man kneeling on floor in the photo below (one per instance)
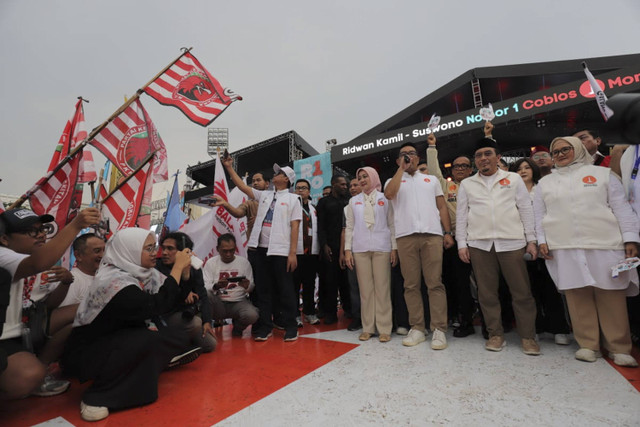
(229, 280)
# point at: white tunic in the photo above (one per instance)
(577, 268)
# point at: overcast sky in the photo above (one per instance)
(330, 69)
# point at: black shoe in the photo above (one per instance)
(262, 335)
(236, 332)
(330, 319)
(464, 330)
(291, 335)
(355, 325)
(184, 358)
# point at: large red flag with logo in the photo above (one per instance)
(188, 86)
(129, 138)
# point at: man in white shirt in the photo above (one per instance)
(275, 238)
(229, 296)
(88, 250)
(24, 253)
(494, 230)
(420, 215)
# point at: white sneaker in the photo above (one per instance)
(624, 360)
(402, 330)
(51, 387)
(438, 340)
(93, 413)
(414, 337)
(586, 355)
(562, 339)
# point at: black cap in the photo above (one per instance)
(486, 143)
(21, 219)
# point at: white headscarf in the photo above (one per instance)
(581, 156)
(120, 268)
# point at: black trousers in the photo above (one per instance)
(455, 275)
(551, 315)
(305, 276)
(124, 365)
(273, 283)
(335, 280)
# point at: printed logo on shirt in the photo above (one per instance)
(590, 181)
(381, 202)
(427, 180)
(452, 197)
(504, 182)
(284, 204)
(404, 180)
(358, 203)
(226, 274)
(453, 188)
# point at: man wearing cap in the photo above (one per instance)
(275, 238)
(591, 141)
(494, 230)
(23, 253)
(541, 157)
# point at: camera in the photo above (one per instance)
(190, 311)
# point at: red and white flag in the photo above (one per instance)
(74, 133)
(187, 85)
(53, 194)
(205, 230)
(129, 138)
(123, 206)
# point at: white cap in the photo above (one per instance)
(287, 171)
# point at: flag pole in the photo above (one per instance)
(124, 181)
(94, 132)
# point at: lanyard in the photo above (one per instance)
(634, 172)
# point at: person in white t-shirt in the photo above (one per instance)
(230, 297)
(88, 250)
(420, 216)
(275, 240)
(24, 253)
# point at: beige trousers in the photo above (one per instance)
(593, 310)
(374, 279)
(421, 255)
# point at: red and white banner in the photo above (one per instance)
(205, 230)
(188, 86)
(599, 94)
(129, 138)
(123, 206)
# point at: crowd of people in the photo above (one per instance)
(530, 245)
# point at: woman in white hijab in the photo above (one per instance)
(584, 227)
(370, 246)
(111, 343)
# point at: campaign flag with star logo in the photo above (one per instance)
(188, 86)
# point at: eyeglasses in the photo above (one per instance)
(462, 166)
(150, 249)
(563, 151)
(539, 156)
(302, 187)
(407, 153)
(36, 231)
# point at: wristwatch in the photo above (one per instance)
(450, 233)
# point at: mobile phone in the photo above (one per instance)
(407, 159)
(235, 279)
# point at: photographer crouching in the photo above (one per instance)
(193, 295)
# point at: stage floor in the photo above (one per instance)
(329, 378)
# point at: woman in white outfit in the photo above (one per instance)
(584, 227)
(370, 246)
